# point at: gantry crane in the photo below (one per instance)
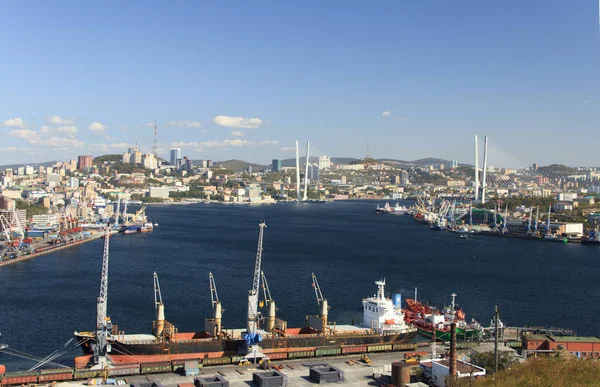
(103, 323)
(159, 308)
(322, 302)
(216, 304)
(271, 309)
(253, 315)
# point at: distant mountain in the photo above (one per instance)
(236, 165)
(557, 169)
(14, 166)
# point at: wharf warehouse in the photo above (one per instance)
(438, 370)
(560, 228)
(582, 347)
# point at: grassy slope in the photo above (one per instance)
(544, 372)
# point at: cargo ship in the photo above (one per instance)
(383, 323)
(429, 319)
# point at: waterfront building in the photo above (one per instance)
(45, 220)
(437, 370)
(582, 347)
(253, 191)
(276, 166)
(84, 163)
(174, 155)
(159, 192)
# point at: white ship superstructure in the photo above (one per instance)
(381, 315)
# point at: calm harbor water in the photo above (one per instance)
(42, 301)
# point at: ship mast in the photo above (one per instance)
(103, 324)
(253, 294)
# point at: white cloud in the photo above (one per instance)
(98, 147)
(222, 144)
(69, 131)
(14, 123)
(9, 149)
(97, 127)
(386, 113)
(57, 142)
(120, 145)
(237, 133)
(185, 124)
(56, 120)
(204, 131)
(184, 144)
(288, 148)
(25, 134)
(237, 122)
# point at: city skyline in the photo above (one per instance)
(245, 82)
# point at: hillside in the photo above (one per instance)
(543, 372)
(236, 165)
(112, 158)
(557, 169)
(15, 166)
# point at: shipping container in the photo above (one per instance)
(297, 354)
(379, 348)
(120, 370)
(354, 349)
(156, 368)
(328, 351)
(404, 347)
(29, 377)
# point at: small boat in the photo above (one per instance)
(155, 224)
(463, 236)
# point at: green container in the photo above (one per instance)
(87, 374)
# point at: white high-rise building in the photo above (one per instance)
(175, 155)
(324, 162)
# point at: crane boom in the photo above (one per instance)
(253, 294)
(265, 286)
(317, 289)
(157, 293)
(214, 296)
(103, 325)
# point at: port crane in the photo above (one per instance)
(103, 323)
(322, 302)
(253, 315)
(271, 309)
(505, 220)
(159, 308)
(216, 304)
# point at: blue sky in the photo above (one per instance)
(245, 79)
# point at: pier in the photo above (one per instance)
(22, 258)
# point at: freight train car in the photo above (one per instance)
(46, 376)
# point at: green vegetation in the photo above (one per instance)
(557, 170)
(110, 158)
(32, 209)
(147, 199)
(194, 192)
(542, 372)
